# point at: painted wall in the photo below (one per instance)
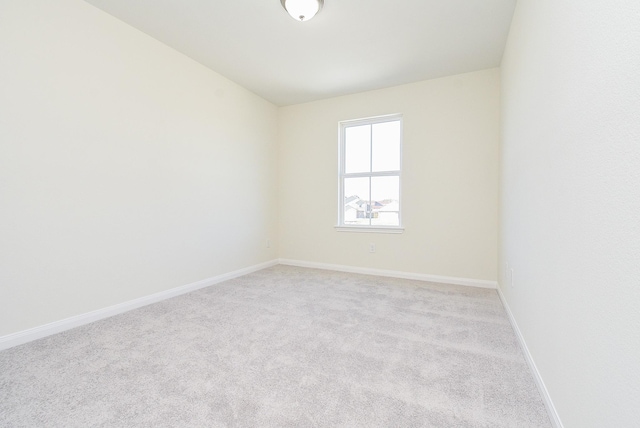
(570, 202)
(116, 158)
(449, 182)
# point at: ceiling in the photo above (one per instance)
(350, 46)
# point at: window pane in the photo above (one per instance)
(357, 209)
(385, 196)
(386, 146)
(357, 149)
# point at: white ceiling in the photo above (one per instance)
(350, 46)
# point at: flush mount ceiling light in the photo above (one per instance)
(302, 10)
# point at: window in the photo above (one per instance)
(370, 166)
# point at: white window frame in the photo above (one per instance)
(341, 227)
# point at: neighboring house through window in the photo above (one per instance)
(370, 167)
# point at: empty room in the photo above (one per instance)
(319, 213)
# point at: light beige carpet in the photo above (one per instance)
(283, 347)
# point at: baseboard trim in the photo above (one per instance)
(42, 331)
(551, 409)
(394, 274)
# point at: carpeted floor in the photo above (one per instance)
(283, 347)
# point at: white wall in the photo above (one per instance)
(570, 202)
(450, 179)
(125, 167)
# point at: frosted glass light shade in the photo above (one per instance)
(302, 10)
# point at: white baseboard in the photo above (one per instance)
(39, 332)
(394, 274)
(551, 409)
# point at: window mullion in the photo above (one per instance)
(373, 174)
(342, 168)
(370, 171)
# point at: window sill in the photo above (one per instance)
(370, 229)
